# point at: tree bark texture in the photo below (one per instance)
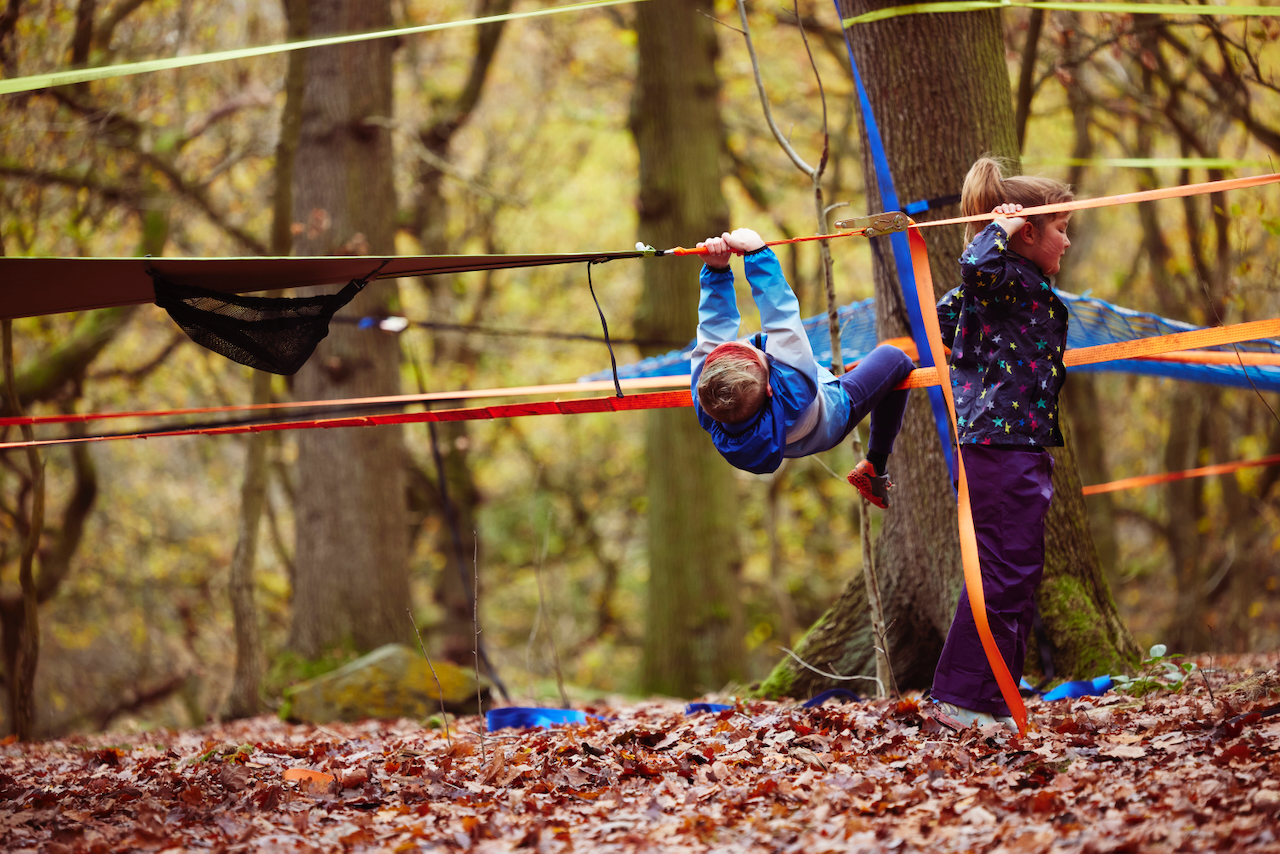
(457, 497)
(22, 653)
(352, 555)
(940, 93)
(694, 624)
(244, 700)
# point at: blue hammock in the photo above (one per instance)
(1093, 321)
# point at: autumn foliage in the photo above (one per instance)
(1192, 771)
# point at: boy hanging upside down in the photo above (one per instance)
(771, 400)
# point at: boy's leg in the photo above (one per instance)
(1008, 515)
(870, 386)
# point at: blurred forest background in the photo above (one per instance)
(520, 138)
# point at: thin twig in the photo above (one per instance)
(814, 174)
(551, 637)
(716, 20)
(764, 99)
(875, 606)
(830, 471)
(893, 680)
(475, 649)
(836, 676)
(1205, 679)
(444, 716)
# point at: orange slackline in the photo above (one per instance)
(651, 400)
(1169, 477)
(1217, 357)
(1156, 347)
(1164, 348)
(387, 400)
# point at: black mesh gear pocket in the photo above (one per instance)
(276, 334)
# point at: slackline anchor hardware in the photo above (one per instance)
(877, 224)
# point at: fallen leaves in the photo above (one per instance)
(1172, 772)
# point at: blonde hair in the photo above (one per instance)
(986, 186)
(732, 385)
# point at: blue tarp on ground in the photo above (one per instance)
(1093, 321)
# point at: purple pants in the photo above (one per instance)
(1010, 490)
(870, 386)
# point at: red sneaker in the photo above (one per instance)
(874, 488)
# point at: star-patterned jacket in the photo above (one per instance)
(1007, 331)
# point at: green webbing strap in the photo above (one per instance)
(1066, 6)
(84, 75)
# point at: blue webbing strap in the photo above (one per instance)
(902, 260)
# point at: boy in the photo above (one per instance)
(771, 400)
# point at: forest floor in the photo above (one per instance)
(1194, 770)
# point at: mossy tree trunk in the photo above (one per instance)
(352, 582)
(940, 91)
(693, 626)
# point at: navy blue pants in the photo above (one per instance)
(1010, 490)
(870, 386)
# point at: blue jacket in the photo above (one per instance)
(809, 411)
(1007, 331)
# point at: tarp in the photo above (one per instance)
(36, 286)
(1093, 322)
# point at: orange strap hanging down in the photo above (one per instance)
(968, 537)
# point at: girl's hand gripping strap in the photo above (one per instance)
(968, 537)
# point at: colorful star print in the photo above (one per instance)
(994, 305)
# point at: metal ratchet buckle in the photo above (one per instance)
(877, 224)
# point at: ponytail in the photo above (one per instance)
(985, 187)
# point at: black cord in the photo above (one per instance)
(617, 386)
(479, 329)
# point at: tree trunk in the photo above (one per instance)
(694, 625)
(918, 552)
(457, 498)
(22, 623)
(1189, 408)
(352, 580)
(244, 700)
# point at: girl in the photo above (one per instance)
(1007, 331)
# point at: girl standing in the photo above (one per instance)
(1007, 331)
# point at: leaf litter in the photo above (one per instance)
(1186, 771)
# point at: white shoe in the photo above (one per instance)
(957, 717)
